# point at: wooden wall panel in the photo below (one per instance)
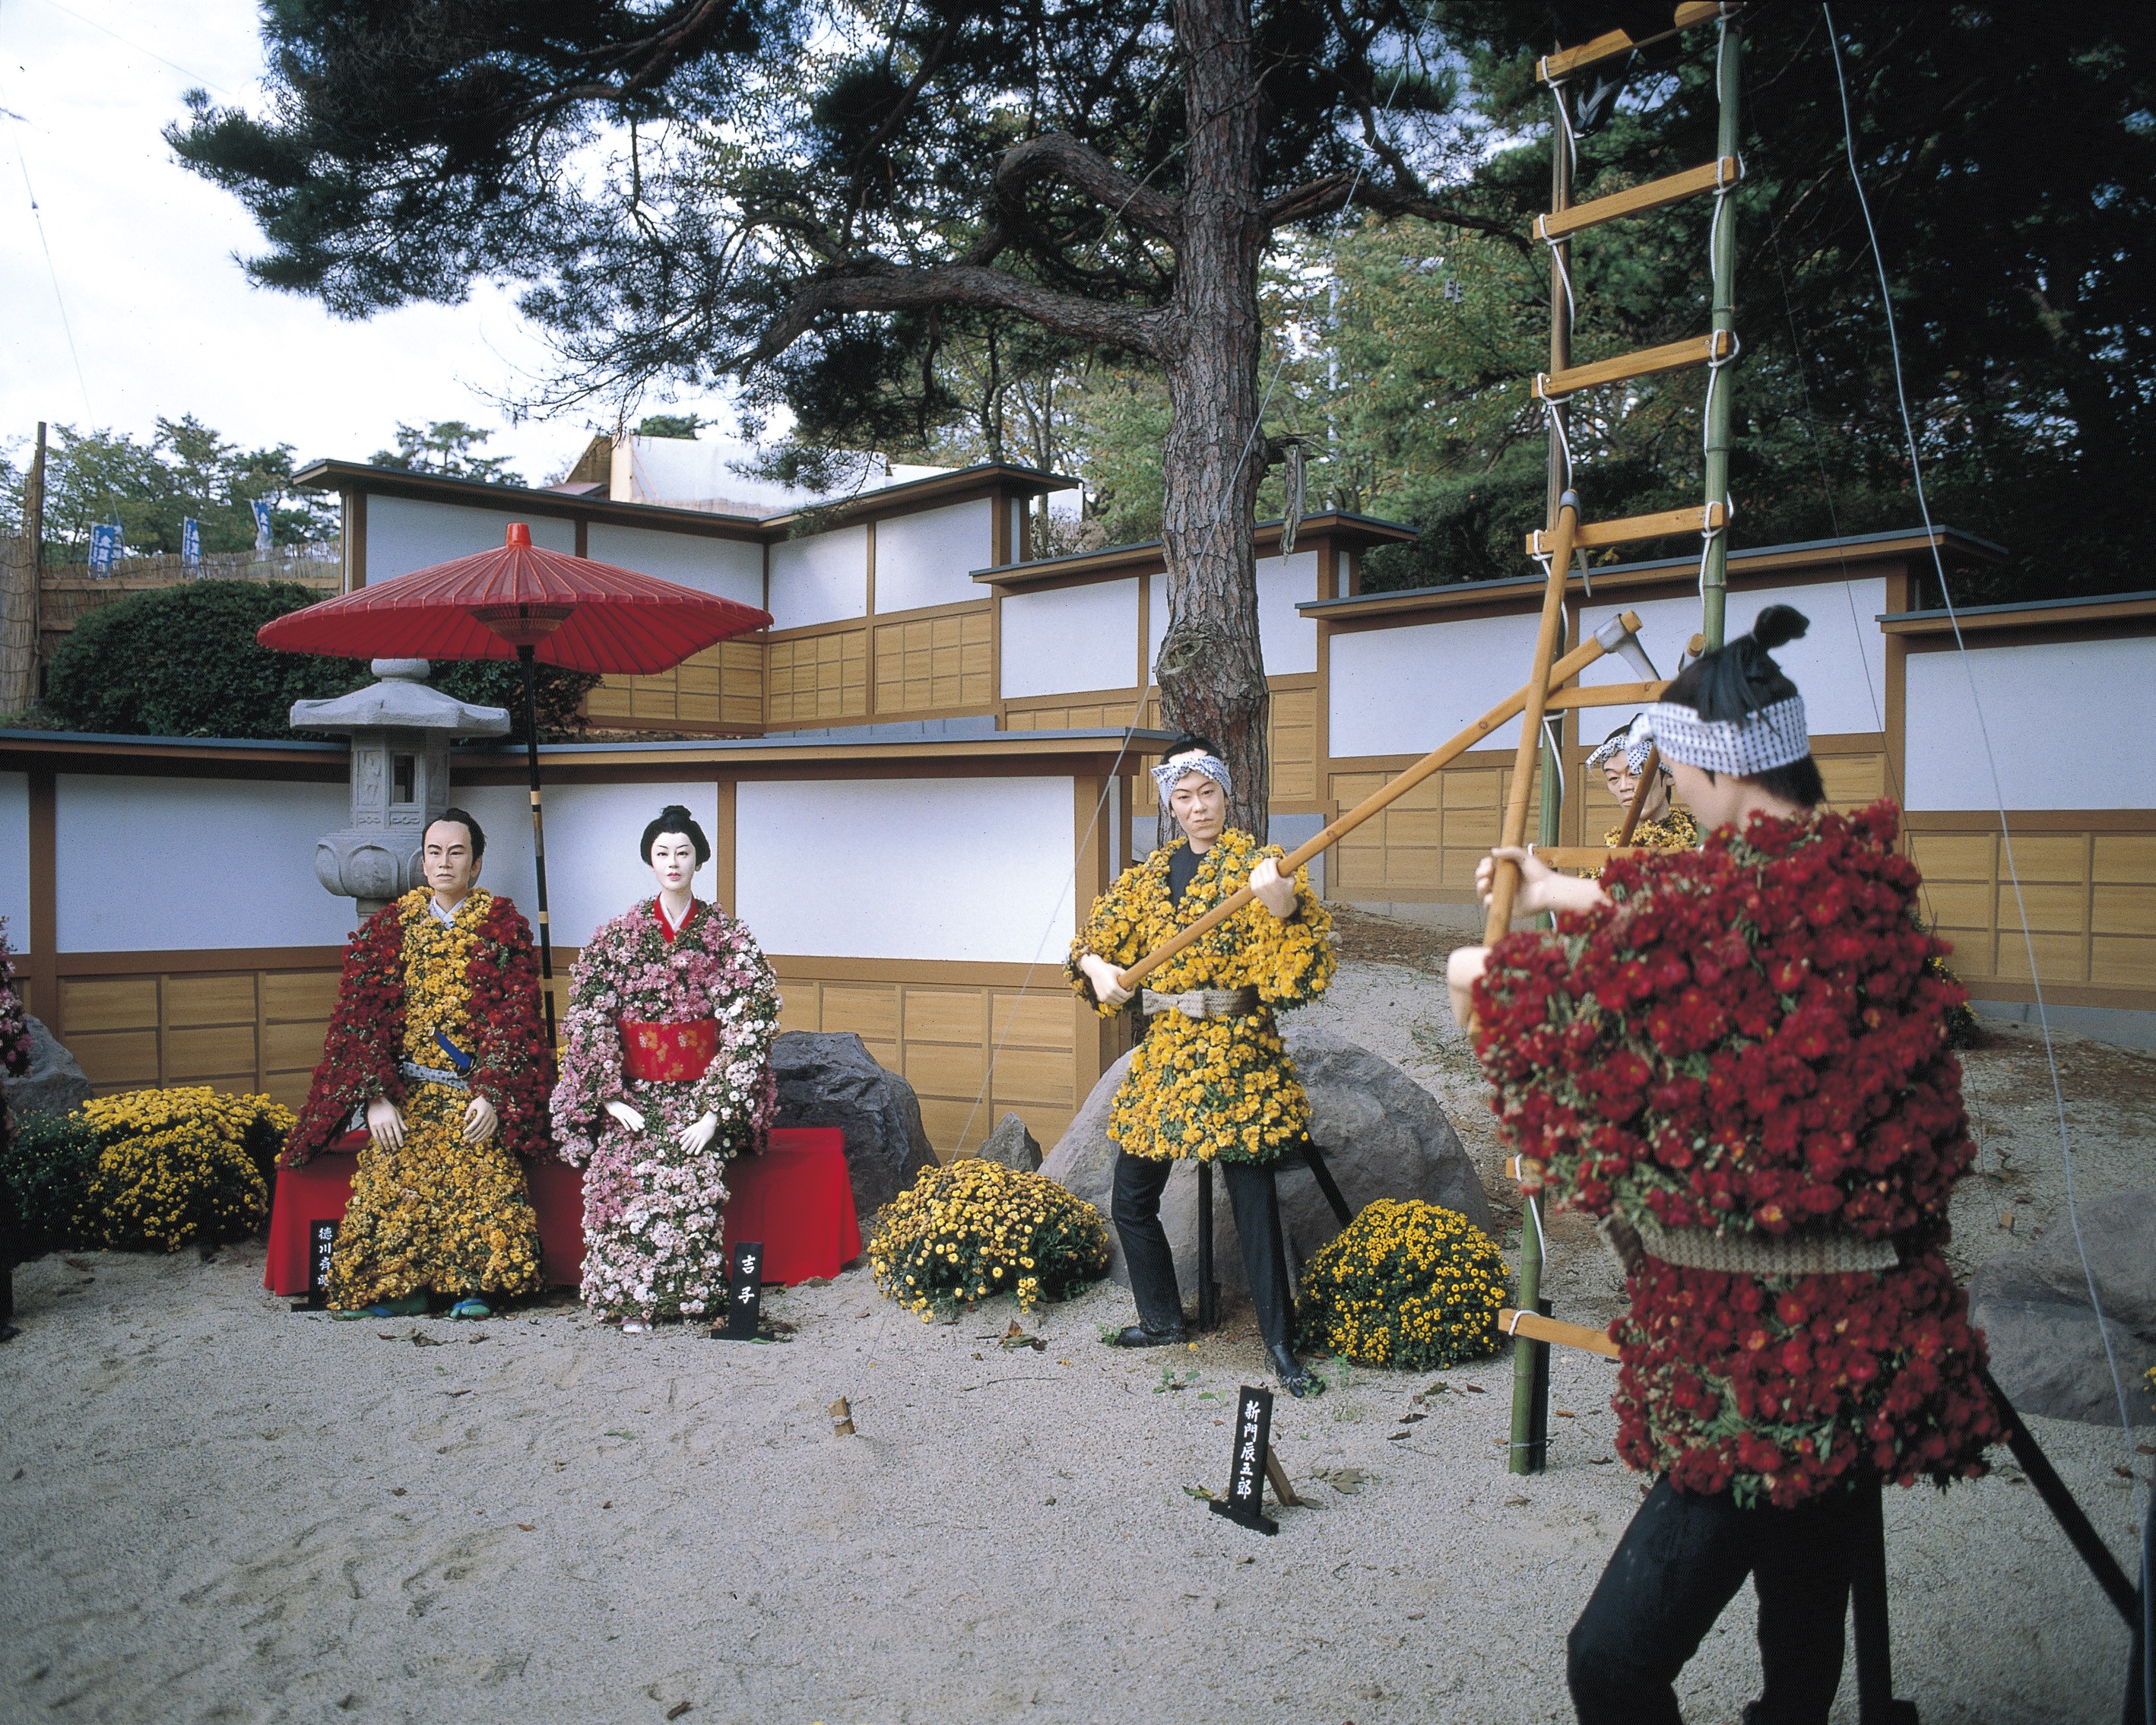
(813, 680)
(2089, 897)
(941, 1037)
(1422, 849)
(720, 689)
(252, 1031)
(934, 664)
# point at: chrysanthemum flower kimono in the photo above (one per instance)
(676, 1022)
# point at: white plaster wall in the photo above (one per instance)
(1287, 639)
(983, 870)
(15, 858)
(592, 869)
(147, 864)
(928, 558)
(1403, 692)
(821, 578)
(404, 534)
(1069, 639)
(1840, 666)
(2067, 721)
(731, 568)
(1156, 620)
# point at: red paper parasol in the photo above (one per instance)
(528, 604)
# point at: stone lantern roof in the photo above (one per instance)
(401, 701)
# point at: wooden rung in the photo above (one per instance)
(1656, 194)
(1537, 1329)
(1567, 61)
(1647, 362)
(1579, 856)
(1606, 695)
(1630, 530)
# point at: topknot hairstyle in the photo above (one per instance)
(1187, 742)
(1742, 678)
(676, 819)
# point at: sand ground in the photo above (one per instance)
(215, 1508)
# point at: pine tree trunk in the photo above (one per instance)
(1210, 669)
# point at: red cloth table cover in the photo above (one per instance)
(796, 1198)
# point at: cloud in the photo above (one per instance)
(144, 253)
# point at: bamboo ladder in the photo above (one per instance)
(1566, 537)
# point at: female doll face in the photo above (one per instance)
(674, 861)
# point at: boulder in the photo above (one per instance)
(1011, 1145)
(54, 1084)
(2047, 1350)
(829, 1078)
(1382, 1134)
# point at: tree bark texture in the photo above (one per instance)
(1211, 670)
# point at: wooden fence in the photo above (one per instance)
(68, 593)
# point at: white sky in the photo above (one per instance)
(164, 320)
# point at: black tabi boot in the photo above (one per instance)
(1295, 1378)
(1142, 1336)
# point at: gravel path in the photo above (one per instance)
(219, 1509)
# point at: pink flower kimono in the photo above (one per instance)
(677, 1023)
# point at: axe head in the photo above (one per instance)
(1616, 636)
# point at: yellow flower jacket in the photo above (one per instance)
(1219, 1089)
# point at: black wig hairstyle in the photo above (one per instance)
(1742, 678)
(675, 818)
(1187, 742)
(465, 821)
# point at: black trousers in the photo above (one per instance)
(1135, 1206)
(1682, 1560)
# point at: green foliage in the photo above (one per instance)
(47, 1165)
(185, 469)
(446, 447)
(685, 425)
(183, 661)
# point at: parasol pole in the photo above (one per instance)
(1618, 635)
(526, 654)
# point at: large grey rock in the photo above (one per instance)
(1011, 1145)
(1383, 1136)
(54, 1084)
(2047, 1350)
(829, 1078)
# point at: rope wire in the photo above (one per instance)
(1984, 731)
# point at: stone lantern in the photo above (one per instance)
(400, 731)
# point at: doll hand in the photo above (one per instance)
(1273, 889)
(1102, 975)
(384, 1124)
(694, 1136)
(626, 1115)
(1462, 970)
(480, 1121)
(1541, 887)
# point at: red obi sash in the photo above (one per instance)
(670, 1054)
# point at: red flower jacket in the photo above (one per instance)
(512, 1065)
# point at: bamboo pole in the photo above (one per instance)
(1714, 570)
(1639, 794)
(1505, 879)
(1614, 636)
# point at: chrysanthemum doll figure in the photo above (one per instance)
(1211, 1079)
(665, 1075)
(1622, 756)
(1737, 1055)
(436, 1045)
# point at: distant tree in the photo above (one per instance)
(446, 447)
(186, 470)
(668, 425)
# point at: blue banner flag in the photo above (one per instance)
(104, 547)
(190, 543)
(261, 525)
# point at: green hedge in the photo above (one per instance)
(183, 661)
(48, 1164)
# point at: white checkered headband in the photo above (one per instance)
(1166, 775)
(1763, 740)
(1634, 740)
